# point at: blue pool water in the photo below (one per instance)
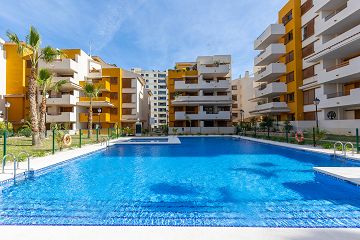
(201, 182)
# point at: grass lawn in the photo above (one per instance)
(18, 144)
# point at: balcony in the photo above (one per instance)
(341, 17)
(270, 73)
(271, 108)
(129, 105)
(71, 83)
(60, 66)
(60, 118)
(220, 85)
(270, 55)
(272, 34)
(341, 73)
(213, 70)
(64, 100)
(271, 90)
(94, 74)
(196, 100)
(103, 84)
(221, 115)
(103, 117)
(342, 99)
(96, 102)
(129, 117)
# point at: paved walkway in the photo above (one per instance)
(174, 233)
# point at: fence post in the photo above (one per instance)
(357, 141)
(97, 135)
(287, 135)
(80, 135)
(108, 132)
(117, 132)
(314, 137)
(5, 139)
(53, 141)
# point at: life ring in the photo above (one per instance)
(299, 136)
(67, 140)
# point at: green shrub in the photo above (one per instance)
(26, 132)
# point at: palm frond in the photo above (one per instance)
(90, 90)
(48, 54)
(43, 77)
(33, 38)
(15, 39)
(56, 87)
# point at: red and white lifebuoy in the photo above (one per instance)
(299, 136)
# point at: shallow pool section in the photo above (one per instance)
(204, 181)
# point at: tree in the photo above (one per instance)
(91, 91)
(45, 83)
(32, 46)
(267, 122)
(189, 120)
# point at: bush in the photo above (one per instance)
(26, 132)
(3, 128)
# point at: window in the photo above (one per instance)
(235, 114)
(155, 104)
(161, 75)
(126, 111)
(290, 77)
(308, 30)
(287, 18)
(289, 57)
(147, 80)
(113, 80)
(234, 87)
(114, 95)
(234, 106)
(290, 97)
(306, 6)
(291, 117)
(113, 110)
(162, 92)
(126, 83)
(308, 72)
(147, 86)
(234, 97)
(308, 50)
(28, 63)
(162, 98)
(309, 116)
(288, 37)
(309, 97)
(126, 97)
(162, 81)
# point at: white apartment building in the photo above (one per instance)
(201, 96)
(242, 90)
(63, 106)
(2, 78)
(336, 64)
(155, 81)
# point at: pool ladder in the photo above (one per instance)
(105, 141)
(343, 148)
(16, 161)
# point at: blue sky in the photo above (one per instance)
(151, 34)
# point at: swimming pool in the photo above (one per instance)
(204, 181)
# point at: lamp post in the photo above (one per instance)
(241, 117)
(7, 106)
(99, 111)
(316, 103)
(46, 96)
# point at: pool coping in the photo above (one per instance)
(175, 233)
(171, 140)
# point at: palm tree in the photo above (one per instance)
(44, 81)
(91, 91)
(32, 46)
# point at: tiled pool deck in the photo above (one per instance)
(177, 233)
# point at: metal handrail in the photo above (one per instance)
(4, 162)
(352, 148)
(27, 156)
(342, 147)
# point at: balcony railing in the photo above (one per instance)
(343, 64)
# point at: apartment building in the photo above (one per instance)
(123, 100)
(242, 90)
(200, 95)
(334, 64)
(17, 72)
(279, 79)
(63, 106)
(156, 83)
(2, 78)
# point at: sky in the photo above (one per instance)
(150, 34)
